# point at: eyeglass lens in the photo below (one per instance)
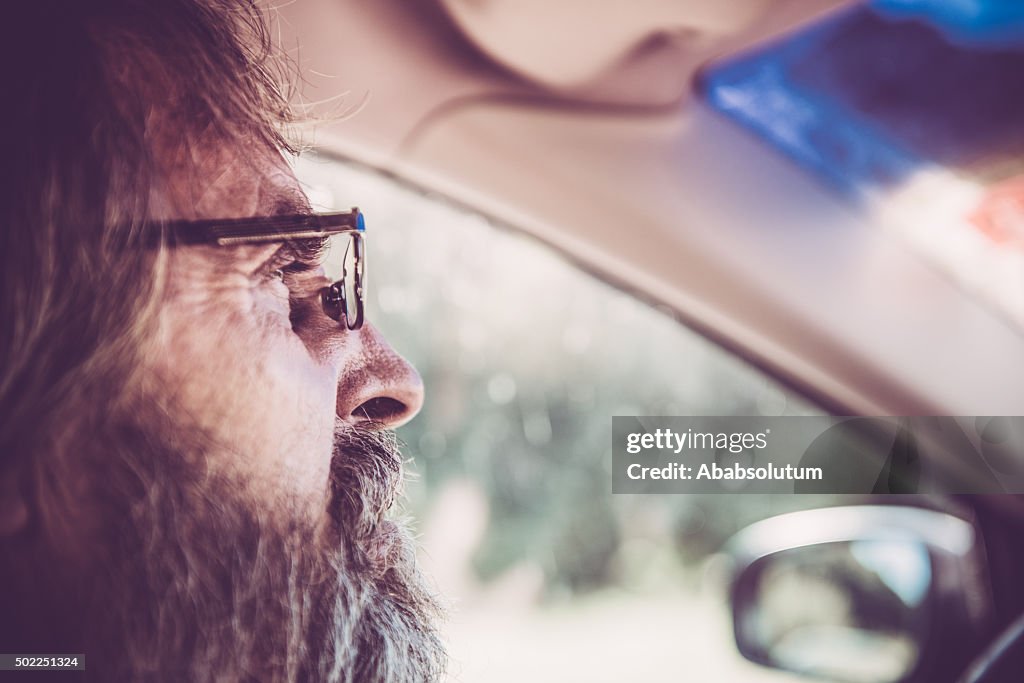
(344, 263)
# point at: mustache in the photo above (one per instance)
(392, 610)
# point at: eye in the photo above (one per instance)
(277, 269)
(295, 258)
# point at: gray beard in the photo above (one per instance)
(192, 583)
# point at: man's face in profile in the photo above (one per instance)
(220, 511)
(243, 352)
(279, 412)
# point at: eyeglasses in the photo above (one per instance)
(342, 233)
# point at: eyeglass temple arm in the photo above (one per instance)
(230, 231)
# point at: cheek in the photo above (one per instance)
(253, 387)
(297, 399)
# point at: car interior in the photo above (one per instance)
(683, 208)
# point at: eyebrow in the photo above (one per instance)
(293, 203)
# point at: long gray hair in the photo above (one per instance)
(86, 87)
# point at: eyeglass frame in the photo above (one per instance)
(230, 232)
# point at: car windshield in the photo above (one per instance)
(525, 357)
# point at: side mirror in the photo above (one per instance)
(863, 594)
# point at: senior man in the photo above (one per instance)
(195, 472)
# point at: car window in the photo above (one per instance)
(526, 358)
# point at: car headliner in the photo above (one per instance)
(650, 189)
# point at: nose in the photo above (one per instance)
(379, 389)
